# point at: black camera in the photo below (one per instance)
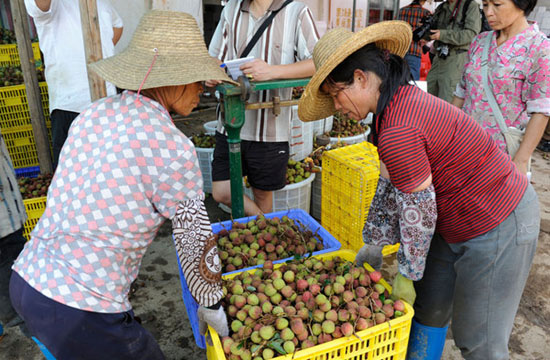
(427, 24)
(443, 51)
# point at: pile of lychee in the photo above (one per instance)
(262, 239)
(298, 171)
(204, 141)
(34, 187)
(301, 304)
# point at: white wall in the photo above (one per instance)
(132, 14)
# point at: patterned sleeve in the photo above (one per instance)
(537, 90)
(417, 220)
(307, 35)
(382, 225)
(197, 251)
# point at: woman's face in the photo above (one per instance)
(186, 102)
(355, 100)
(502, 14)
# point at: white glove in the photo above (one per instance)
(215, 318)
(371, 254)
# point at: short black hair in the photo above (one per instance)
(526, 5)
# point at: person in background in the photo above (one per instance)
(454, 27)
(124, 170)
(544, 143)
(521, 87)
(12, 219)
(282, 52)
(60, 34)
(413, 14)
(467, 219)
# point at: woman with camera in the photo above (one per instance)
(505, 84)
(466, 218)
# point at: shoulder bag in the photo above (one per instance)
(512, 135)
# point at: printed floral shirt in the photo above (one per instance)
(124, 169)
(519, 75)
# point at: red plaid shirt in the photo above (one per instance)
(413, 14)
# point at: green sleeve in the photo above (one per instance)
(472, 27)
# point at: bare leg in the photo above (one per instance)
(263, 199)
(221, 192)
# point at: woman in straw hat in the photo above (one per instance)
(467, 219)
(124, 169)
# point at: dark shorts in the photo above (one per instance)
(70, 333)
(264, 163)
(61, 122)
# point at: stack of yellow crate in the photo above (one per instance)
(350, 177)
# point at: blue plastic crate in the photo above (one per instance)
(30, 172)
(329, 244)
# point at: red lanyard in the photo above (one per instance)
(455, 10)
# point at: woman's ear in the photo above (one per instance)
(360, 77)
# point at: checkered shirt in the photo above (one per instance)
(124, 170)
(413, 14)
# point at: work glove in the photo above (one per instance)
(215, 318)
(403, 289)
(370, 254)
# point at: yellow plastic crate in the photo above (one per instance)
(350, 177)
(14, 107)
(9, 55)
(386, 341)
(34, 208)
(21, 146)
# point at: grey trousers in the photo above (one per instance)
(478, 283)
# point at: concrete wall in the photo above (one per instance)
(132, 14)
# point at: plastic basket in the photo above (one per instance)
(329, 244)
(292, 196)
(210, 127)
(14, 108)
(34, 208)
(205, 156)
(351, 139)
(301, 137)
(385, 341)
(29, 172)
(322, 126)
(350, 177)
(9, 55)
(21, 146)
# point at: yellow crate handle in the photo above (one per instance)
(390, 249)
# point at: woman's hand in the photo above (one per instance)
(259, 70)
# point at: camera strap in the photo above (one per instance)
(455, 11)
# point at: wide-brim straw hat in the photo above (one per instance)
(334, 47)
(181, 55)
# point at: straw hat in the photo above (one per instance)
(334, 47)
(181, 54)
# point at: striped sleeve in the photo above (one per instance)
(307, 35)
(403, 150)
(219, 44)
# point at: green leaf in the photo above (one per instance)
(277, 346)
(250, 288)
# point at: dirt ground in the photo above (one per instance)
(158, 301)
